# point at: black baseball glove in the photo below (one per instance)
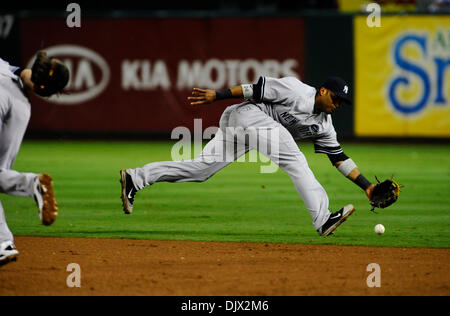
(49, 75)
(384, 193)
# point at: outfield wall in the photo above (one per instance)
(132, 74)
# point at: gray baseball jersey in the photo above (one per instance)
(291, 103)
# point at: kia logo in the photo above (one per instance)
(89, 73)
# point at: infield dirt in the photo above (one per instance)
(184, 268)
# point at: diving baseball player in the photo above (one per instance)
(47, 77)
(286, 106)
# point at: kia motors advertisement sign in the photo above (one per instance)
(135, 75)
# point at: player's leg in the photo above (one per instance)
(8, 251)
(9, 146)
(216, 155)
(5, 233)
(14, 121)
(276, 142)
(16, 183)
(293, 161)
(12, 129)
(36, 186)
(199, 169)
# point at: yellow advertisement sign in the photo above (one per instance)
(402, 76)
(386, 6)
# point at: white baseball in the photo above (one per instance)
(379, 229)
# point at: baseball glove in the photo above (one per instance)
(49, 75)
(384, 193)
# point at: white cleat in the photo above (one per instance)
(128, 191)
(335, 220)
(8, 252)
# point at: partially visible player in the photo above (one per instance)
(48, 76)
(291, 108)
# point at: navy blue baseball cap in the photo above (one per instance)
(339, 87)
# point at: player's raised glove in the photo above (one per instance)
(384, 193)
(49, 75)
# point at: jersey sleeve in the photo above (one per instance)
(327, 143)
(284, 90)
(329, 150)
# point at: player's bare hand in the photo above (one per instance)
(202, 96)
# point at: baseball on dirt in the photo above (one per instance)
(379, 229)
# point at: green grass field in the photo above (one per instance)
(237, 204)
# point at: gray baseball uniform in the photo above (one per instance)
(284, 107)
(14, 117)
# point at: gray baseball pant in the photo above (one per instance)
(236, 119)
(14, 116)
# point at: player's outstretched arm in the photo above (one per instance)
(349, 169)
(356, 176)
(206, 96)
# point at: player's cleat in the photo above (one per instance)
(8, 252)
(128, 191)
(335, 220)
(45, 199)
